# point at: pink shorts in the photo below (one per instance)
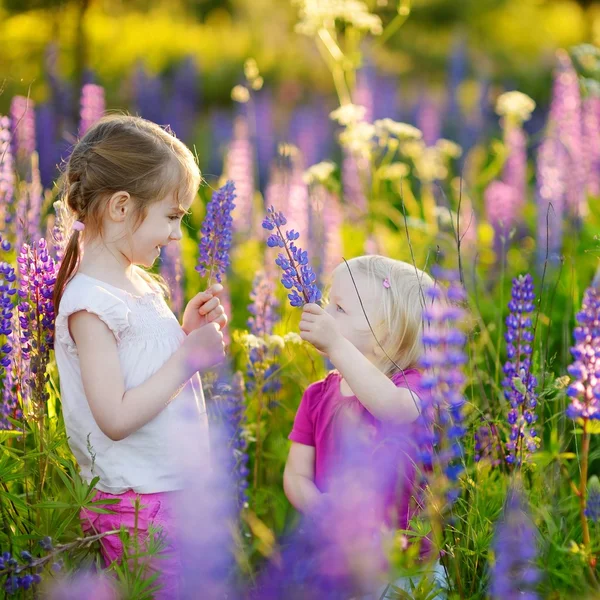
(157, 509)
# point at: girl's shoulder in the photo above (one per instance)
(84, 293)
(320, 389)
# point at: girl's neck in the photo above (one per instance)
(106, 264)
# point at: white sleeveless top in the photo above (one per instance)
(147, 334)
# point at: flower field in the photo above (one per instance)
(500, 204)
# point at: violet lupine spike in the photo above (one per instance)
(519, 383)
(515, 167)
(592, 507)
(239, 167)
(263, 309)
(565, 123)
(23, 127)
(297, 276)
(216, 234)
(10, 406)
(502, 210)
(514, 574)
(7, 172)
(92, 106)
(35, 195)
(591, 135)
(428, 120)
(584, 392)
(171, 268)
(441, 427)
(230, 396)
(487, 443)
(352, 170)
(551, 190)
(37, 276)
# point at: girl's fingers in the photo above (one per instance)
(215, 289)
(213, 315)
(305, 326)
(207, 307)
(309, 318)
(313, 309)
(221, 320)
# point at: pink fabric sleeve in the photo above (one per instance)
(410, 379)
(303, 430)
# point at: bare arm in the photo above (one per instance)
(120, 413)
(376, 392)
(299, 477)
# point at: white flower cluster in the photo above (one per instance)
(319, 173)
(250, 341)
(515, 105)
(322, 14)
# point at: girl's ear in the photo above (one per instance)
(119, 206)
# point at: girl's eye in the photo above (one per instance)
(174, 218)
(339, 308)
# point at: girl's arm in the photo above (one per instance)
(299, 477)
(120, 413)
(376, 392)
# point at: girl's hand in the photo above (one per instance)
(204, 348)
(319, 328)
(203, 308)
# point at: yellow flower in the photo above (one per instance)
(394, 171)
(240, 94)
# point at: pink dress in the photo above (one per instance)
(326, 418)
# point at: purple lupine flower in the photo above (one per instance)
(428, 120)
(35, 200)
(17, 574)
(46, 126)
(262, 361)
(37, 276)
(551, 167)
(487, 443)
(309, 131)
(21, 210)
(239, 168)
(22, 119)
(515, 167)
(514, 574)
(519, 383)
(228, 400)
(7, 171)
(298, 276)
(502, 209)
(61, 89)
(10, 405)
(216, 234)
(585, 389)
(591, 135)
(326, 218)
(171, 268)
(365, 90)
(92, 106)
(148, 97)
(297, 208)
(354, 170)
(265, 134)
(565, 123)
(184, 99)
(263, 309)
(592, 507)
(441, 427)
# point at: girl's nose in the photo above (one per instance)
(176, 234)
